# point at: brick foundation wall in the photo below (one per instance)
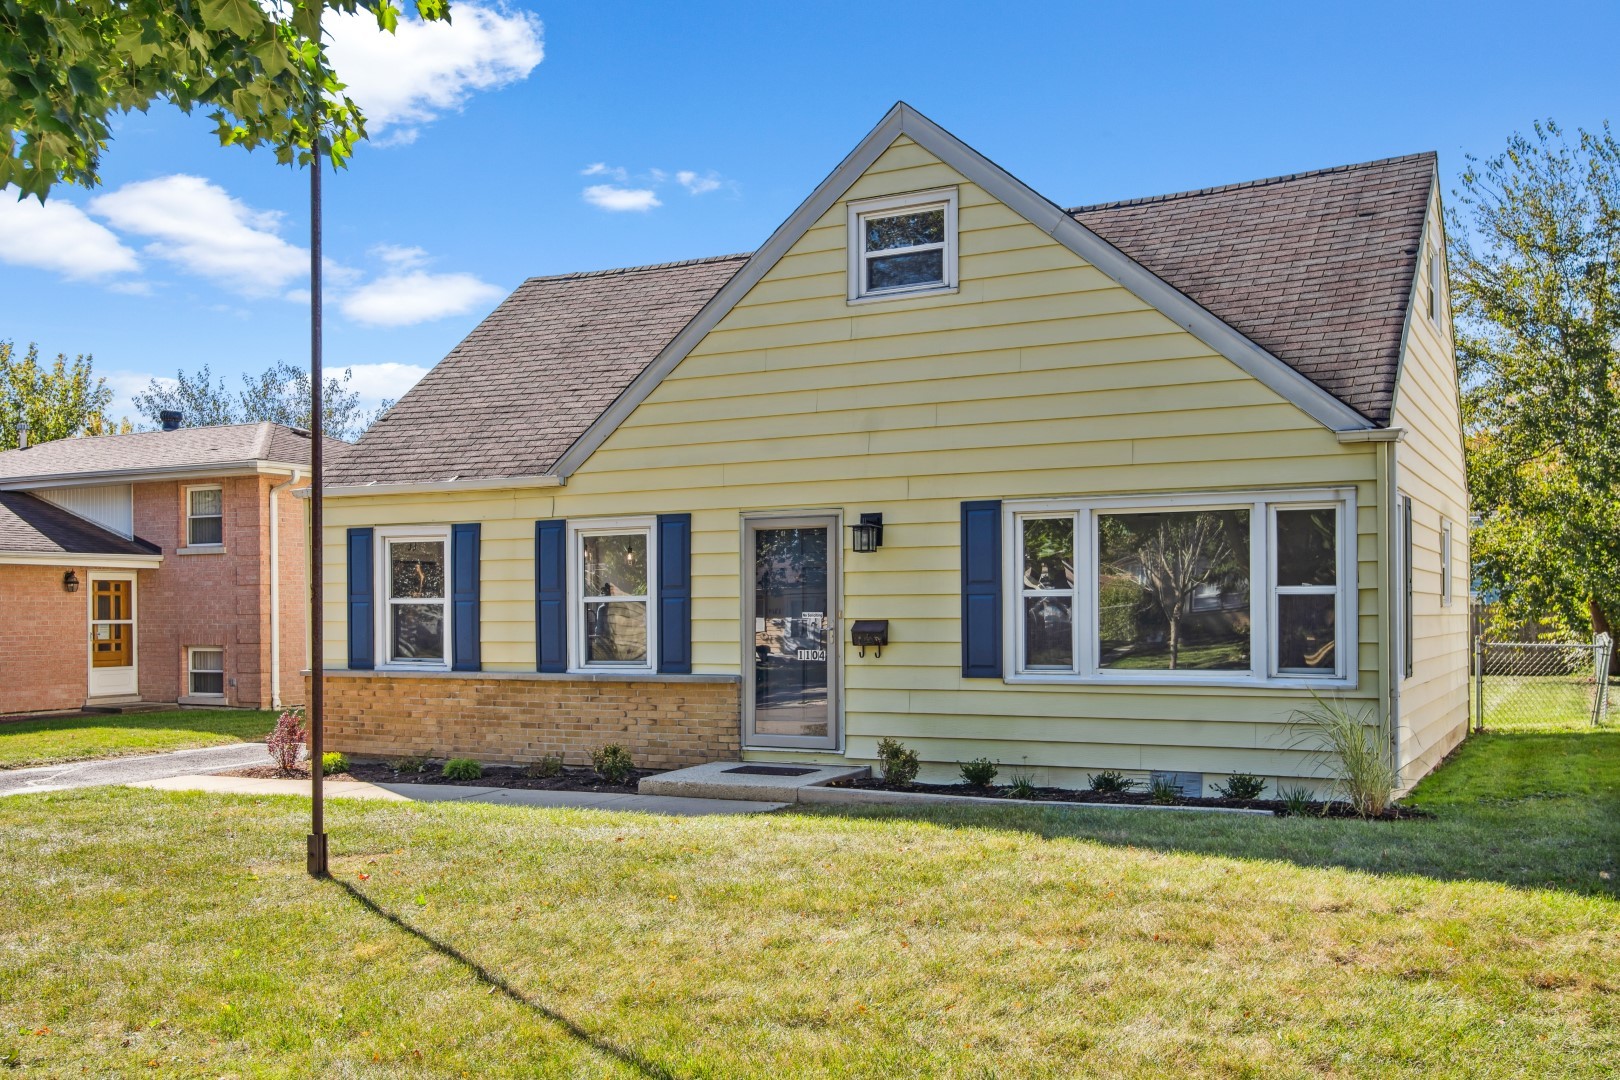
(502, 718)
(44, 640)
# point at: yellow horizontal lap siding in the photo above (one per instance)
(1038, 378)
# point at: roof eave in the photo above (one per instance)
(136, 476)
(80, 558)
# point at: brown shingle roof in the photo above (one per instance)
(32, 526)
(1314, 267)
(148, 450)
(530, 378)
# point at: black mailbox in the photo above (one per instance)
(873, 632)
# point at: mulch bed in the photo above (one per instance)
(497, 776)
(1131, 798)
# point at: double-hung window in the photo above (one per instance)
(902, 245)
(205, 516)
(205, 675)
(413, 616)
(1219, 589)
(612, 579)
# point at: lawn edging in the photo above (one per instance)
(866, 796)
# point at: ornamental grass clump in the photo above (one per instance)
(286, 740)
(899, 764)
(1355, 746)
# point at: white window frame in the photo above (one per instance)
(185, 495)
(192, 670)
(1446, 568)
(890, 206)
(383, 583)
(577, 531)
(1434, 284)
(1262, 671)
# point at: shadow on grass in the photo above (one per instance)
(1532, 811)
(493, 979)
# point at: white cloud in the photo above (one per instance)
(698, 185)
(375, 382)
(408, 298)
(125, 385)
(195, 224)
(600, 168)
(60, 237)
(424, 69)
(611, 197)
(400, 256)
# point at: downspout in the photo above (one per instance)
(275, 591)
(1394, 575)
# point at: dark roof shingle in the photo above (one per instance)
(148, 450)
(32, 526)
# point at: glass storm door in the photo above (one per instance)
(112, 637)
(790, 568)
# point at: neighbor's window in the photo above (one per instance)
(414, 567)
(206, 672)
(613, 572)
(205, 516)
(902, 245)
(1138, 591)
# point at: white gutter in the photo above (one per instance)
(1374, 435)
(428, 487)
(275, 592)
(79, 558)
(136, 476)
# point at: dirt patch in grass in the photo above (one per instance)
(1127, 798)
(497, 776)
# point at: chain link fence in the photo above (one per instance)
(1541, 685)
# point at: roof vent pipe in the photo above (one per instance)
(22, 436)
(170, 419)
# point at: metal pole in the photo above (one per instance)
(317, 807)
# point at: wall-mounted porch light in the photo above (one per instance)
(869, 533)
(70, 582)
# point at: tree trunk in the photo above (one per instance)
(1601, 625)
(1175, 641)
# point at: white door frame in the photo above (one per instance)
(126, 685)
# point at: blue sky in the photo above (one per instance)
(706, 125)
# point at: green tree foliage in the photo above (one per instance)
(68, 66)
(280, 395)
(1535, 263)
(59, 400)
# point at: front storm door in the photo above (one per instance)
(790, 634)
(112, 637)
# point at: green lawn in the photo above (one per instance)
(1540, 702)
(172, 934)
(51, 742)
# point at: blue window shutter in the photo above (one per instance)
(464, 556)
(362, 655)
(981, 590)
(675, 594)
(551, 595)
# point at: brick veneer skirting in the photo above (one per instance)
(514, 718)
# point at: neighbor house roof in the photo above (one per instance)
(32, 526)
(1305, 277)
(114, 456)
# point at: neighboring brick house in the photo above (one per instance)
(164, 566)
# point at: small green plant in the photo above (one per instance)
(1355, 745)
(979, 773)
(898, 763)
(1021, 788)
(544, 769)
(333, 762)
(1242, 786)
(1296, 800)
(1164, 791)
(462, 768)
(415, 763)
(613, 763)
(1110, 782)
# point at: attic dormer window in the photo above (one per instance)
(902, 245)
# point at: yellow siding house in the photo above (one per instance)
(1109, 487)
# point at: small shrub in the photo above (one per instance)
(1296, 800)
(1164, 792)
(1110, 782)
(1242, 786)
(1355, 747)
(286, 740)
(333, 762)
(415, 763)
(544, 769)
(613, 763)
(898, 763)
(462, 768)
(1021, 788)
(979, 772)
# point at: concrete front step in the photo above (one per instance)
(756, 781)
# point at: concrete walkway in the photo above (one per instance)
(354, 789)
(127, 770)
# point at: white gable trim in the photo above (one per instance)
(1045, 215)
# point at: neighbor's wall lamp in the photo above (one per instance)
(869, 533)
(70, 582)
